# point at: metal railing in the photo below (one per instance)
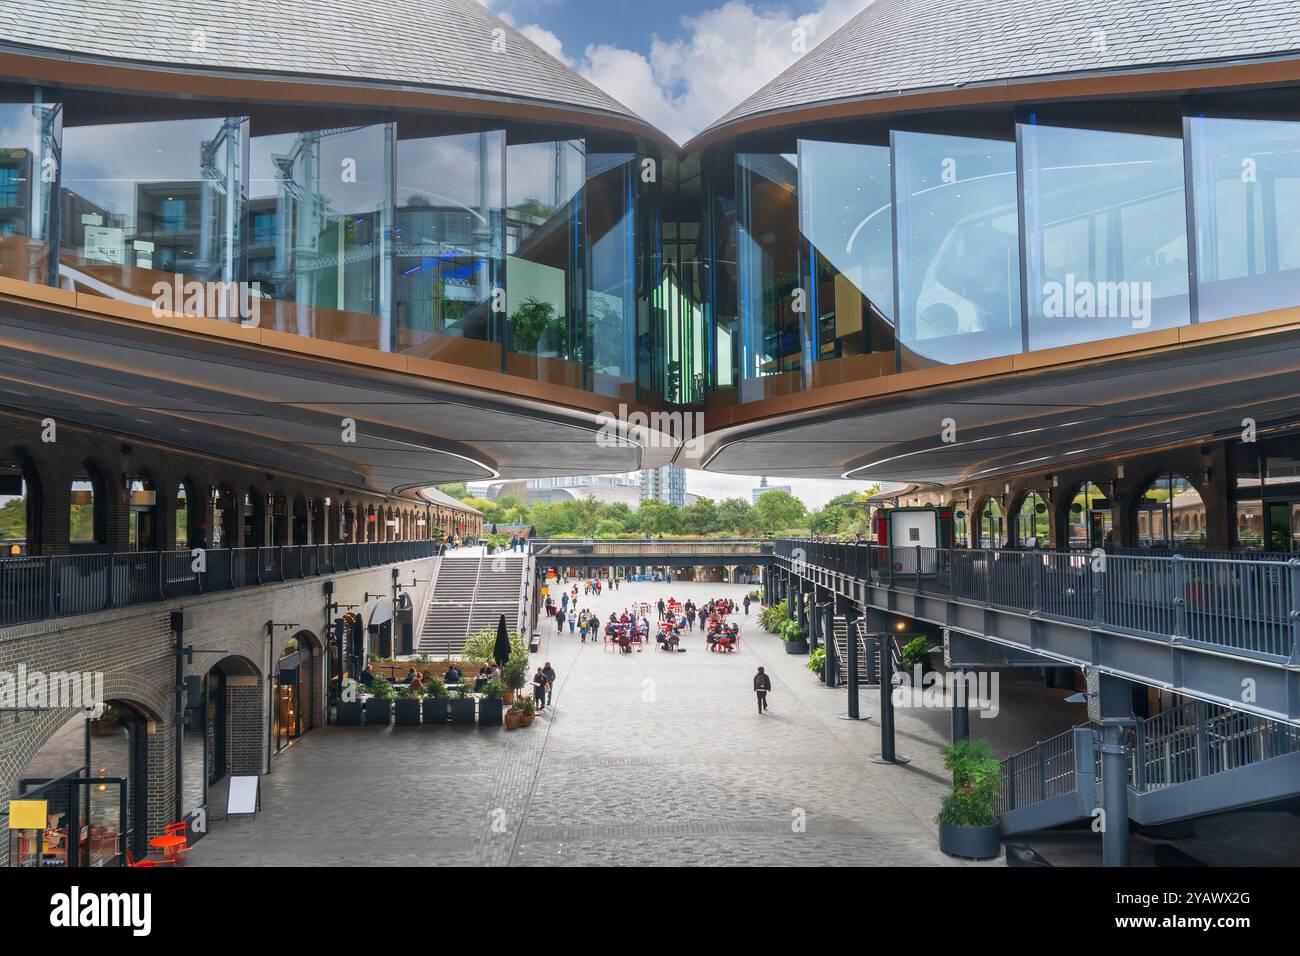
(650, 547)
(1251, 606)
(61, 585)
(1198, 739)
(1040, 772)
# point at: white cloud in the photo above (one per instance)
(723, 55)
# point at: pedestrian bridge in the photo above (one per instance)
(668, 552)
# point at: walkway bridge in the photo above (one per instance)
(1223, 630)
(662, 552)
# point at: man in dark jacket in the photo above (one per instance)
(762, 684)
(549, 673)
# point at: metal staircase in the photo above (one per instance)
(471, 593)
(868, 653)
(1190, 761)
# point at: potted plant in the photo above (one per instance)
(489, 705)
(407, 708)
(817, 662)
(349, 711)
(379, 708)
(515, 673)
(463, 707)
(916, 652)
(968, 819)
(794, 636)
(514, 715)
(435, 702)
(527, 709)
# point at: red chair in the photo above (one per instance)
(174, 843)
(132, 861)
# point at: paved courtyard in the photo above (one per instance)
(644, 759)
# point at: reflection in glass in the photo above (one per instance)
(991, 525)
(611, 272)
(1090, 523)
(845, 217)
(958, 250)
(30, 129)
(772, 338)
(319, 214)
(1170, 514)
(1246, 193)
(543, 260)
(143, 202)
(1105, 234)
(450, 240)
(1033, 522)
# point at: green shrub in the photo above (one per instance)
(481, 646)
(976, 785)
(435, 687)
(771, 616)
(791, 631)
(515, 673)
(817, 661)
(494, 690)
(916, 651)
(382, 689)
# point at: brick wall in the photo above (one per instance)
(133, 648)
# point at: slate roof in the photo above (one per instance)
(898, 46)
(444, 44)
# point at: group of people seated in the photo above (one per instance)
(624, 630)
(722, 636)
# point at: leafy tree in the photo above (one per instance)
(456, 490)
(737, 516)
(609, 528)
(701, 517)
(779, 510)
(13, 520)
(659, 517)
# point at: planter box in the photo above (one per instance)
(378, 712)
(970, 843)
(408, 712)
(489, 713)
(462, 710)
(435, 711)
(796, 647)
(349, 715)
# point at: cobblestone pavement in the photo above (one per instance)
(644, 759)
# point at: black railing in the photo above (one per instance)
(60, 585)
(1244, 606)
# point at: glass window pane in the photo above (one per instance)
(845, 215)
(611, 272)
(769, 260)
(450, 239)
(543, 260)
(144, 202)
(319, 200)
(1247, 191)
(29, 143)
(1105, 234)
(958, 248)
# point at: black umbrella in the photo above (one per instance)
(494, 528)
(501, 652)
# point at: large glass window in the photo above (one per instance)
(85, 523)
(1246, 191)
(845, 216)
(1105, 233)
(320, 203)
(144, 202)
(1170, 514)
(1033, 522)
(1089, 523)
(771, 298)
(957, 225)
(30, 130)
(544, 260)
(991, 525)
(611, 272)
(450, 246)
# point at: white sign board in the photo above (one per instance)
(243, 795)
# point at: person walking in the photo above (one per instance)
(762, 684)
(661, 609)
(746, 605)
(549, 673)
(559, 622)
(573, 622)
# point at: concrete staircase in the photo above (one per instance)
(471, 593)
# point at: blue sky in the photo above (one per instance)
(679, 64)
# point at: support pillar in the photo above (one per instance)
(1111, 704)
(887, 752)
(831, 672)
(960, 713)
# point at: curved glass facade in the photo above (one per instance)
(787, 261)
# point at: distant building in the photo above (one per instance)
(763, 488)
(666, 484)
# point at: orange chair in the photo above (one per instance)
(132, 861)
(174, 843)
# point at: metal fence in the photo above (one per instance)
(651, 547)
(60, 585)
(1250, 605)
(1039, 773)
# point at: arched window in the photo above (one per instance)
(990, 525)
(1033, 522)
(18, 511)
(1090, 523)
(1170, 514)
(142, 514)
(86, 507)
(188, 508)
